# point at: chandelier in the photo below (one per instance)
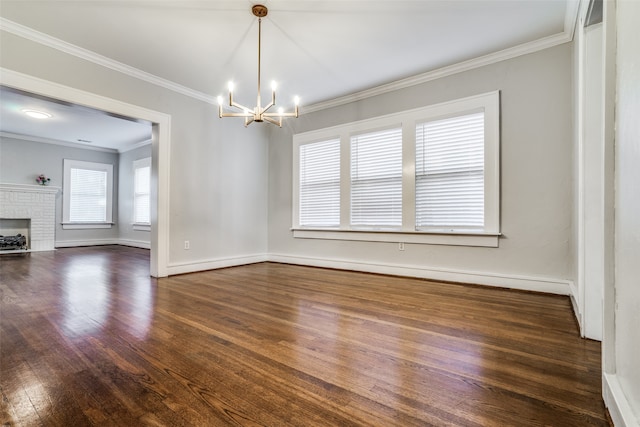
(258, 113)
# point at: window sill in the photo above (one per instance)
(142, 227)
(85, 225)
(489, 240)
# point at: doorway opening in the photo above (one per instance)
(160, 149)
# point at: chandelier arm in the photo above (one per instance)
(273, 101)
(270, 120)
(294, 114)
(271, 104)
(225, 114)
(232, 103)
(241, 107)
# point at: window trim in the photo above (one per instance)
(488, 236)
(69, 164)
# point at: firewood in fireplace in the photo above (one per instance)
(13, 242)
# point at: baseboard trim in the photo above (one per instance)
(87, 242)
(576, 307)
(526, 283)
(192, 267)
(614, 398)
(135, 243)
(102, 242)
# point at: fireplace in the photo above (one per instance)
(28, 210)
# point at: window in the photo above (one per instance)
(450, 173)
(376, 179)
(429, 175)
(88, 191)
(320, 184)
(141, 193)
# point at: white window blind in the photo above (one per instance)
(320, 184)
(376, 179)
(450, 172)
(88, 195)
(142, 188)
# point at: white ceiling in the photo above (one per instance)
(68, 123)
(319, 50)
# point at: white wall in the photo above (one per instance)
(622, 378)
(21, 161)
(594, 171)
(127, 235)
(218, 169)
(593, 175)
(536, 250)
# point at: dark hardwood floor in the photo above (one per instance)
(87, 338)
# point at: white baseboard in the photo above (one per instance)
(87, 242)
(135, 243)
(576, 307)
(100, 242)
(617, 403)
(191, 267)
(536, 284)
(527, 283)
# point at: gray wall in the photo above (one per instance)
(219, 179)
(218, 168)
(21, 161)
(536, 168)
(125, 197)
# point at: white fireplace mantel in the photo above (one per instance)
(29, 188)
(36, 203)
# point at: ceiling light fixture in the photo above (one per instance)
(258, 113)
(37, 114)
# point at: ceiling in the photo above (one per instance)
(70, 124)
(319, 50)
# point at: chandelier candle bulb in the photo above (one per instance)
(220, 102)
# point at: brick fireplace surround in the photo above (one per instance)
(36, 203)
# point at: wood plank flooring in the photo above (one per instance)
(87, 338)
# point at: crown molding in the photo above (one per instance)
(566, 36)
(54, 142)
(481, 61)
(72, 144)
(71, 49)
(134, 146)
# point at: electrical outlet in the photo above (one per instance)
(401, 246)
(186, 245)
